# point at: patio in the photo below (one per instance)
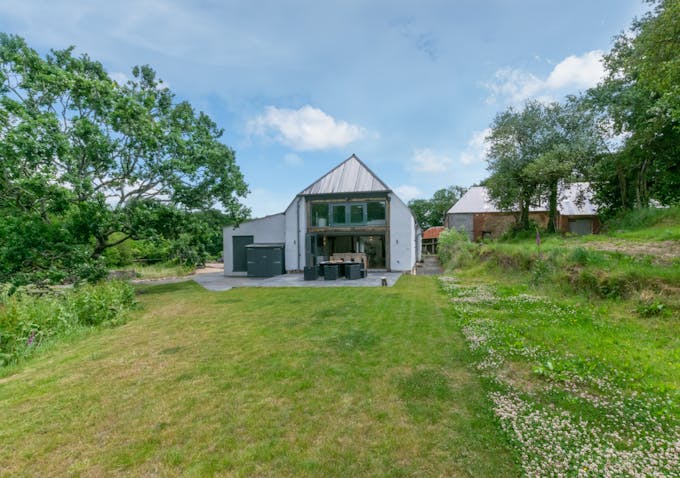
(217, 281)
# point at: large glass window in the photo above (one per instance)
(320, 215)
(329, 214)
(375, 212)
(356, 214)
(339, 214)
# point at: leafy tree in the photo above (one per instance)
(534, 150)
(639, 102)
(101, 160)
(515, 141)
(431, 212)
(653, 57)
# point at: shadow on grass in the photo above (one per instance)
(152, 289)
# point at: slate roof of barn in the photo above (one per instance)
(575, 199)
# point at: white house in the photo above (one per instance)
(348, 210)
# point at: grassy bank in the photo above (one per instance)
(579, 348)
(33, 319)
(268, 382)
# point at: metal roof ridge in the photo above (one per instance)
(343, 163)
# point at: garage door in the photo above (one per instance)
(239, 244)
(581, 226)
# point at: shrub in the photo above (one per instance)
(643, 218)
(650, 308)
(454, 248)
(29, 320)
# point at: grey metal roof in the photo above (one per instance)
(350, 176)
(575, 199)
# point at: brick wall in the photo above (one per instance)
(495, 224)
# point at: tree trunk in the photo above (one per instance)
(623, 190)
(641, 195)
(102, 245)
(524, 214)
(552, 206)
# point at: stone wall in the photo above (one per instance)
(495, 224)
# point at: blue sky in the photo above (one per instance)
(298, 86)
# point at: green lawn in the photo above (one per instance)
(259, 382)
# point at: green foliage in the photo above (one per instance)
(534, 149)
(87, 164)
(650, 308)
(454, 248)
(431, 212)
(34, 250)
(28, 320)
(643, 218)
(616, 272)
(639, 108)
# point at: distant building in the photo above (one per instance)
(348, 210)
(477, 216)
(431, 238)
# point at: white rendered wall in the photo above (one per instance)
(266, 229)
(296, 230)
(402, 236)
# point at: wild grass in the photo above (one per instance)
(656, 224)
(569, 264)
(29, 322)
(158, 271)
(582, 388)
(579, 347)
(259, 382)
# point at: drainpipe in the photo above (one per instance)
(298, 233)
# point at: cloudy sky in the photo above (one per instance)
(298, 86)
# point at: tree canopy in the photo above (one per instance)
(431, 212)
(622, 135)
(533, 150)
(639, 102)
(85, 160)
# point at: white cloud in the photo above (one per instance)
(477, 148)
(577, 71)
(572, 73)
(306, 129)
(427, 161)
(407, 192)
(292, 159)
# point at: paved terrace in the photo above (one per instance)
(216, 281)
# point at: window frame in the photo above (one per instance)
(349, 207)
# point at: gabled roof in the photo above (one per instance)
(350, 176)
(433, 232)
(575, 199)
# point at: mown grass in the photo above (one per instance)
(264, 382)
